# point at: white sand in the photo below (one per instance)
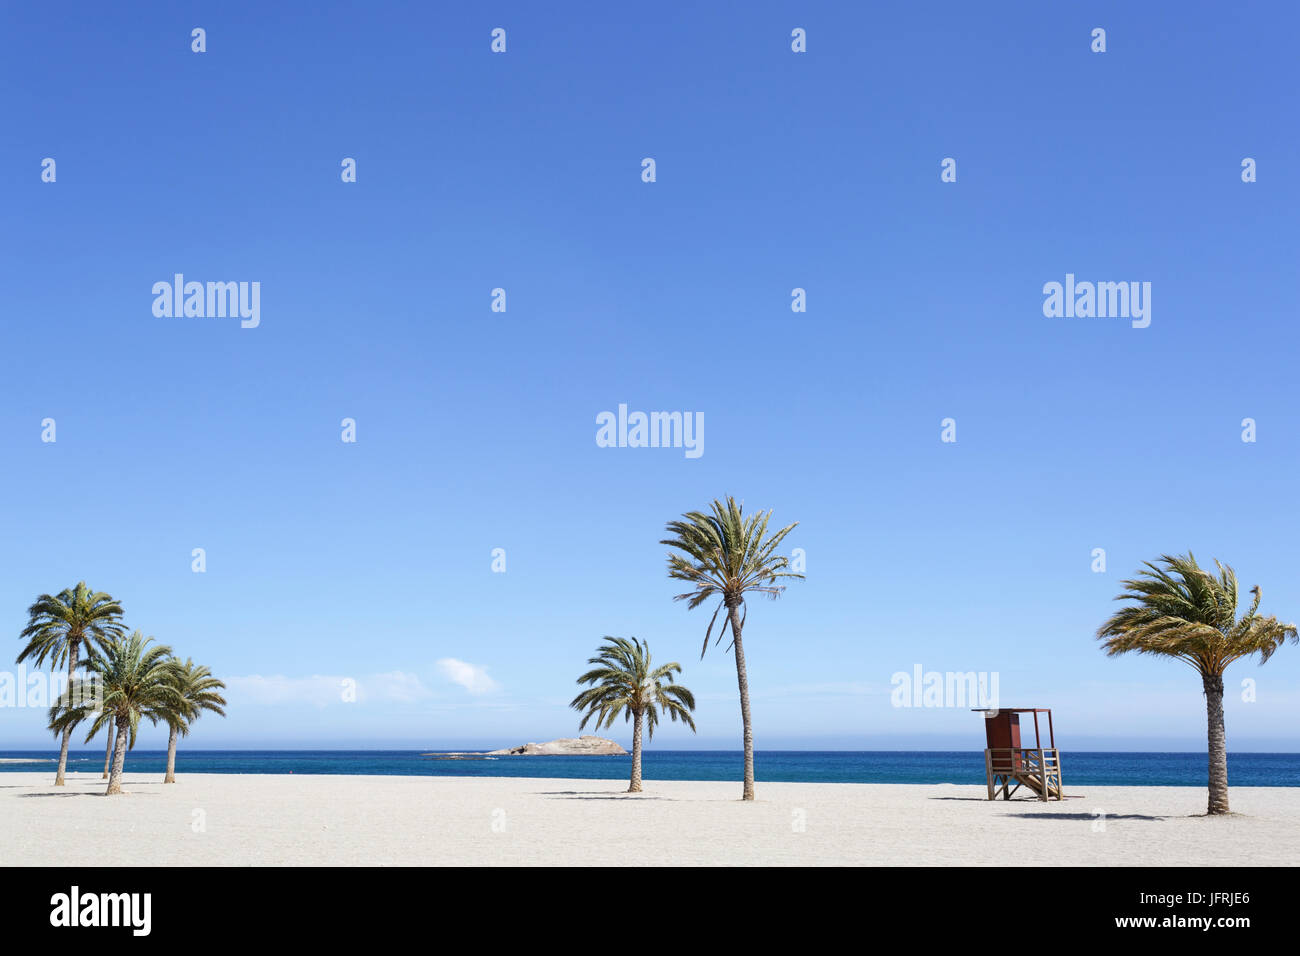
(314, 820)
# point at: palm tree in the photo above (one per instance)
(728, 556)
(624, 682)
(60, 627)
(135, 681)
(198, 692)
(1190, 614)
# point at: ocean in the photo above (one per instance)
(1082, 768)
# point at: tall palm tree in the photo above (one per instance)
(624, 682)
(1181, 611)
(198, 691)
(60, 627)
(729, 556)
(135, 680)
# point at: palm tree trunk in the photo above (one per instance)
(73, 649)
(108, 747)
(635, 786)
(1218, 744)
(743, 680)
(171, 758)
(119, 757)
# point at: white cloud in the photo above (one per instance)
(322, 690)
(474, 679)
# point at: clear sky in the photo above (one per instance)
(476, 429)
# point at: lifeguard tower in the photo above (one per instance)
(1009, 766)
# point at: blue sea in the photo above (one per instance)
(1082, 768)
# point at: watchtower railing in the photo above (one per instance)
(1020, 759)
(1039, 768)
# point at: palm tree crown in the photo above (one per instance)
(725, 555)
(198, 691)
(136, 680)
(624, 682)
(61, 625)
(1183, 611)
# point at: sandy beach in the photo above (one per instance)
(272, 820)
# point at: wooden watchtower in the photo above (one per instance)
(1008, 765)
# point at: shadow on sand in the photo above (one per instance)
(1086, 816)
(999, 800)
(597, 795)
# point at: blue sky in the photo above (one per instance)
(476, 429)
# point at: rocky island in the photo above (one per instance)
(586, 744)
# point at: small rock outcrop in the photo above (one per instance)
(586, 744)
